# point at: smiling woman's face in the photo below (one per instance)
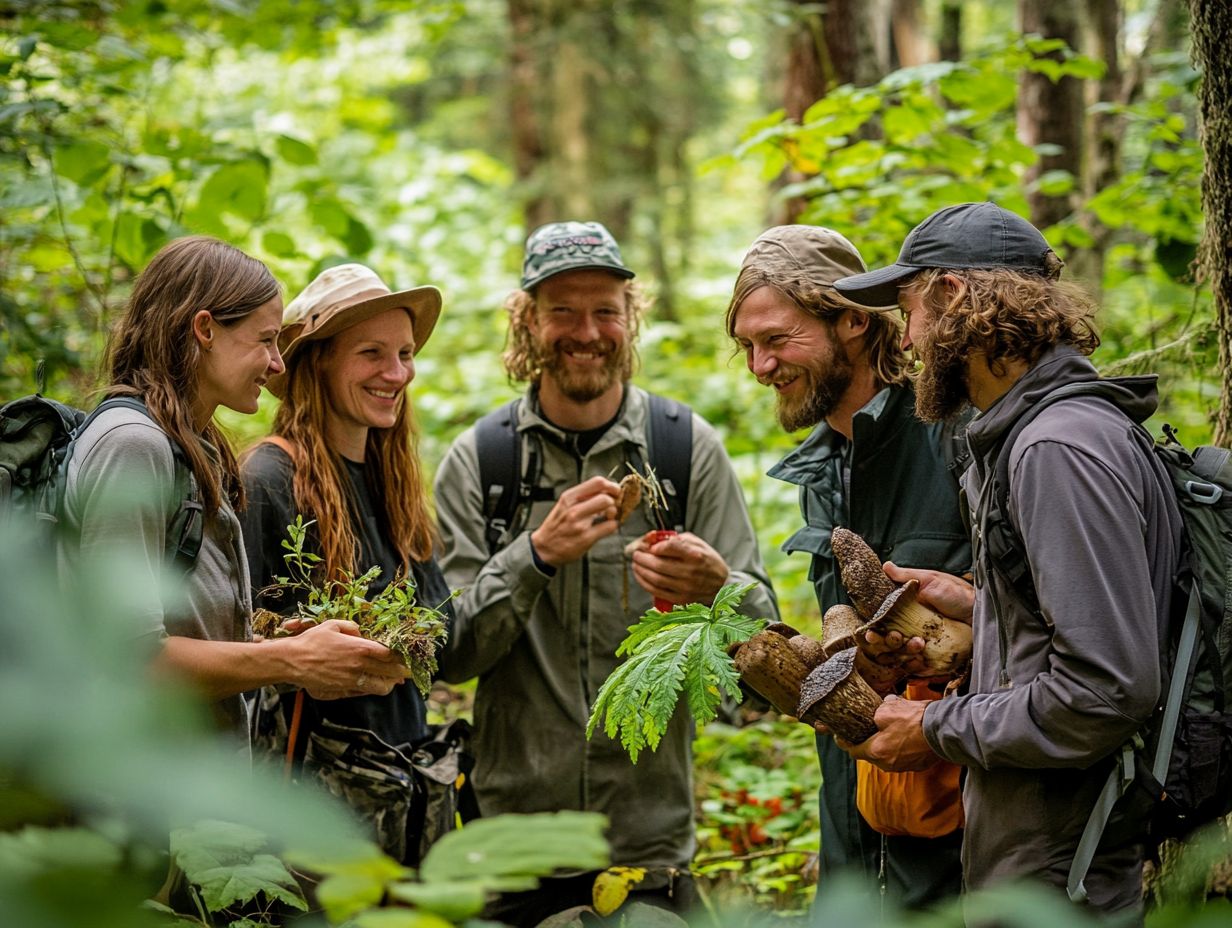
(239, 359)
(366, 371)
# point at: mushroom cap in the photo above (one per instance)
(782, 628)
(838, 627)
(823, 678)
(901, 598)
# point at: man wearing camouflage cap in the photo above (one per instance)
(871, 466)
(545, 603)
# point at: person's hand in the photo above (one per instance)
(332, 661)
(946, 594)
(583, 514)
(679, 569)
(899, 743)
(952, 597)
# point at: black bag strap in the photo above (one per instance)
(669, 442)
(186, 530)
(509, 481)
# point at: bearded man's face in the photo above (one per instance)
(941, 387)
(580, 333)
(795, 352)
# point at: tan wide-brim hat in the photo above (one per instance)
(341, 297)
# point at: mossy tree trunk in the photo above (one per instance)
(1211, 25)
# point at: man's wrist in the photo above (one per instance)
(540, 564)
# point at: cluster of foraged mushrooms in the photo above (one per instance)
(841, 680)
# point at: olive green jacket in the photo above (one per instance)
(542, 645)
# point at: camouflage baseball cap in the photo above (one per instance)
(570, 246)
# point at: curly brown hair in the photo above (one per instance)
(520, 357)
(882, 342)
(1004, 314)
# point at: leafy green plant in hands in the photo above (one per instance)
(667, 652)
(392, 617)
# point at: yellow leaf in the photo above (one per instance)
(612, 887)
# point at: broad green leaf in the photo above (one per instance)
(83, 162)
(399, 918)
(279, 244)
(519, 845)
(36, 850)
(454, 900)
(293, 151)
(238, 188)
(345, 895)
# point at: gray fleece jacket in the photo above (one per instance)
(1102, 535)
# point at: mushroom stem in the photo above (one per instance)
(771, 668)
(947, 643)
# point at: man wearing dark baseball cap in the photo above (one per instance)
(838, 369)
(545, 600)
(1066, 666)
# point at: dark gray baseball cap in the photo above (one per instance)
(970, 235)
(570, 246)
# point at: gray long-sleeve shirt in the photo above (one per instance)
(1102, 535)
(542, 646)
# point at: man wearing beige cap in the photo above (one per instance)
(871, 466)
(546, 601)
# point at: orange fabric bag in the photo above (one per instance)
(920, 803)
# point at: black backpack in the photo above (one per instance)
(1176, 774)
(37, 436)
(509, 469)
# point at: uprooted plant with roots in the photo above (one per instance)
(393, 618)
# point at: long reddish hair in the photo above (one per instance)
(391, 459)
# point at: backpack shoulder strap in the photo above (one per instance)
(498, 446)
(669, 442)
(186, 530)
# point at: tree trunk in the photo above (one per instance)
(524, 110)
(829, 46)
(1211, 27)
(1051, 113)
(949, 45)
(910, 43)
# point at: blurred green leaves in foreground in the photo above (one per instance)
(104, 770)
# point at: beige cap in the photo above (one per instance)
(347, 295)
(815, 254)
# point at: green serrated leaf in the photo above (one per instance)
(685, 649)
(229, 865)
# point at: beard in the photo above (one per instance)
(825, 384)
(583, 386)
(941, 388)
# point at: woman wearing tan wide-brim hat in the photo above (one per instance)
(343, 453)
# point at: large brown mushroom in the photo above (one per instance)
(768, 664)
(861, 571)
(947, 643)
(836, 695)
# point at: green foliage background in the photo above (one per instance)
(310, 132)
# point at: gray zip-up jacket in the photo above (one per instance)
(1102, 533)
(542, 646)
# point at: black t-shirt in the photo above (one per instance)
(398, 718)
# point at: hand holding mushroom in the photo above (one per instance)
(900, 631)
(898, 742)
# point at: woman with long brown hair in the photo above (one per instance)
(343, 456)
(199, 332)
